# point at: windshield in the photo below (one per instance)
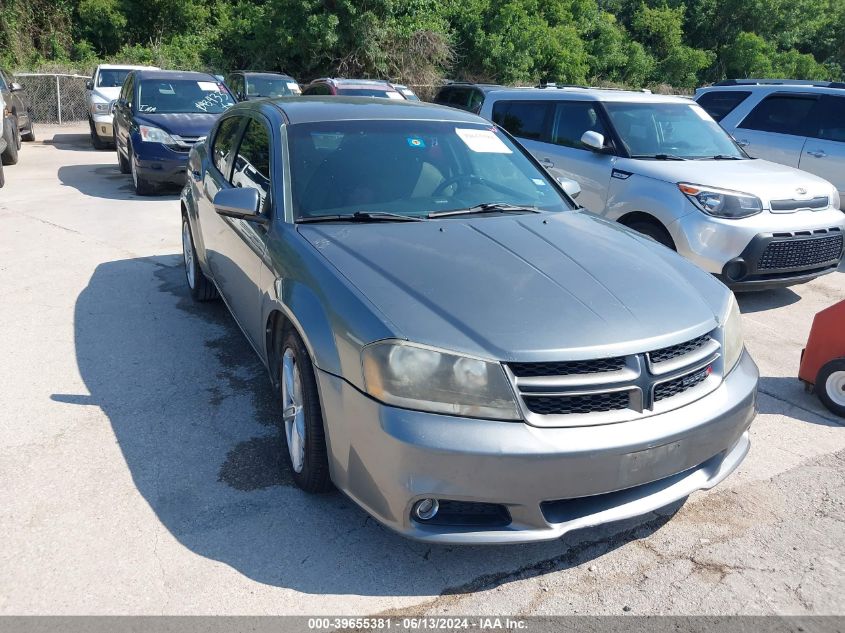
(412, 168)
(271, 87)
(672, 129)
(111, 77)
(169, 96)
(369, 92)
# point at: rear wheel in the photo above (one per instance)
(143, 187)
(29, 135)
(11, 134)
(302, 415)
(653, 230)
(200, 286)
(830, 385)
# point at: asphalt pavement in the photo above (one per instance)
(141, 469)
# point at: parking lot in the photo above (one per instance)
(141, 466)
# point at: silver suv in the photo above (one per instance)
(795, 123)
(662, 166)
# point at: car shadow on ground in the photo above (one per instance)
(197, 422)
(73, 142)
(787, 396)
(760, 301)
(106, 181)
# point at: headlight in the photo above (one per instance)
(155, 135)
(101, 108)
(721, 203)
(415, 377)
(732, 335)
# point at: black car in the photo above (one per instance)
(158, 117)
(19, 108)
(248, 84)
(464, 96)
(341, 86)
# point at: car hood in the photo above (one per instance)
(538, 287)
(179, 124)
(106, 94)
(766, 180)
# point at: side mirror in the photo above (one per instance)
(89, 85)
(242, 203)
(112, 104)
(571, 187)
(593, 140)
(15, 87)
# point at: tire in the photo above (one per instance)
(653, 230)
(29, 135)
(2, 176)
(95, 138)
(830, 385)
(10, 132)
(122, 163)
(143, 187)
(199, 285)
(302, 415)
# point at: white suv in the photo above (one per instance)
(662, 166)
(103, 88)
(795, 123)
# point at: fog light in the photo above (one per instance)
(735, 270)
(426, 509)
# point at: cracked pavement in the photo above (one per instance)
(141, 473)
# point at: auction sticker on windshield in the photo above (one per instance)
(482, 141)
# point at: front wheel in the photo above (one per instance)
(654, 231)
(303, 417)
(830, 385)
(11, 133)
(29, 135)
(143, 187)
(96, 141)
(200, 286)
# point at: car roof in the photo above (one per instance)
(261, 73)
(773, 87)
(584, 94)
(348, 82)
(174, 74)
(316, 109)
(125, 67)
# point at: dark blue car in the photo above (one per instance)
(158, 117)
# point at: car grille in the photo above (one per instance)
(184, 143)
(800, 253)
(615, 389)
(794, 205)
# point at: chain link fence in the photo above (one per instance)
(55, 98)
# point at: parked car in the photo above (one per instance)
(101, 90)
(19, 104)
(3, 141)
(406, 92)
(352, 87)
(662, 166)
(795, 123)
(464, 96)
(158, 117)
(10, 138)
(247, 85)
(455, 347)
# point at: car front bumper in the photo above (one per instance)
(103, 126)
(715, 244)
(550, 480)
(160, 164)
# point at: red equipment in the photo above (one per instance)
(823, 360)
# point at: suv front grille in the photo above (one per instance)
(799, 253)
(615, 389)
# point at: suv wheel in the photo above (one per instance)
(96, 141)
(29, 135)
(11, 134)
(143, 187)
(654, 231)
(200, 286)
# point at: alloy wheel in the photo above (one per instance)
(835, 387)
(188, 252)
(293, 411)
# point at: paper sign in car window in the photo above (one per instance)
(208, 86)
(292, 85)
(394, 95)
(701, 112)
(482, 141)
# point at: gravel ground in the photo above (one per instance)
(140, 470)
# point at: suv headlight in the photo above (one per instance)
(155, 135)
(416, 377)
(101, 107)
(732, 335)
(721, 203)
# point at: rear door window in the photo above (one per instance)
(252, 163)
(523, 119)
(572, 119)
(224, 144)
(782, 114)
(720, 103)
(829, 118)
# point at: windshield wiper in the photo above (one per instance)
(659, 156)
(360, 216)
(485, 207)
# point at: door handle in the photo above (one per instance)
(819, 153)
(743, 143)
(547, 163)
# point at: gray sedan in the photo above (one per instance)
(455, 346)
